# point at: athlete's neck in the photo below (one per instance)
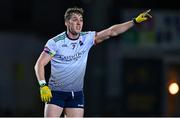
(72, 36)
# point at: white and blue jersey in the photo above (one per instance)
(69, 61)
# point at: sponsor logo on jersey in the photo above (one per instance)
(71, 58)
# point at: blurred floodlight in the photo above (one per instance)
(173, 88)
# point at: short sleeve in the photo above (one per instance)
(50, 47)
(92, 36)
(89, 37)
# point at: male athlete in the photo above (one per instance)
(68, 53)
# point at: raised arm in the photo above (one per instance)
(120, 28)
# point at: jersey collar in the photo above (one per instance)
(71, 38)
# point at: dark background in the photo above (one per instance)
(127, 75)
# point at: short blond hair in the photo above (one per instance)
(70, 11)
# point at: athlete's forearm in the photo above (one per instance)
(39, 70)
(42, 61)
(120, 28)
(113, 31)
(45, 91)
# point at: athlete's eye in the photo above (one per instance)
(74, 19)
(81, 20)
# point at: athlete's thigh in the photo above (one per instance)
(52, 110)
(74, 112)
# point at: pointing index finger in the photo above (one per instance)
(147, 11)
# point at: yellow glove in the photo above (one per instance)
(46, 94)
(142, 17)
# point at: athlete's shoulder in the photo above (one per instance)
(86, 32)
(59, 37)
(83, 33)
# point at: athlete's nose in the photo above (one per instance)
(78, 22)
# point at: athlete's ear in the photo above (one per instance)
(66, 23)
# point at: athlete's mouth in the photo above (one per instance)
(78, 27)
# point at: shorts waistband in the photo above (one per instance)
(70, 92)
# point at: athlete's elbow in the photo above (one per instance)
(112, 32)
(38, 64)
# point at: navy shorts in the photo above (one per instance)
(68, 99)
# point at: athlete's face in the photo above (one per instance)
(75, 24)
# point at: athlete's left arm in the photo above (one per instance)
(113, 31)
(120, 28)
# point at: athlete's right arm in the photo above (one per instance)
(42, 61)
(39, 67)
